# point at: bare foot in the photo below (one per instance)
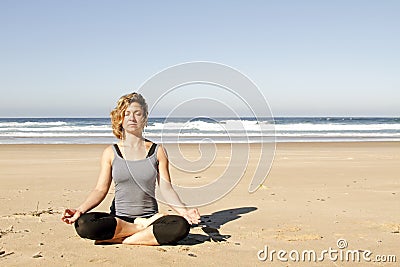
(146, 222)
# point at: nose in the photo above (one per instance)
(132, 118)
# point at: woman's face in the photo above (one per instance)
(133, 118)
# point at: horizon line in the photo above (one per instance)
(184, 117)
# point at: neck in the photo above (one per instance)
(133, 140)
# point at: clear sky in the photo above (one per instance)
(309, 58)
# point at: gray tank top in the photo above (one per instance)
(135, 182)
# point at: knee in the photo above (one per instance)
(171, 230)
(95, 226)
(181, 228)
(83, 226)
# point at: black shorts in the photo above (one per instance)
(101, 226)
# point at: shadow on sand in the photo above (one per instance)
(211, 223)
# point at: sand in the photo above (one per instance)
(315, 194)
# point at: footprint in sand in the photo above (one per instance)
(290, 233)
(394, 228)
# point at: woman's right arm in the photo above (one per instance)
(99, 192)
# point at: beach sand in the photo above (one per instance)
(315, 194)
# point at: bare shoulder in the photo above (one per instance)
(162, 153)
(148, 144)
(108, 154)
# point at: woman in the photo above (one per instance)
(134, 217)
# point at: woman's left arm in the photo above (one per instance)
(168, 192)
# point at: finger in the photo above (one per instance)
(195, 212)
(194, 220)
(75, 217)
(68, 212)
(67, 216)
(71, 220)
(195, 215)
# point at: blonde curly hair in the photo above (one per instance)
(118, 113)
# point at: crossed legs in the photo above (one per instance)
(157, 230)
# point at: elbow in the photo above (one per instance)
(167, 190)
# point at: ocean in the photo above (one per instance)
(218, 130)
